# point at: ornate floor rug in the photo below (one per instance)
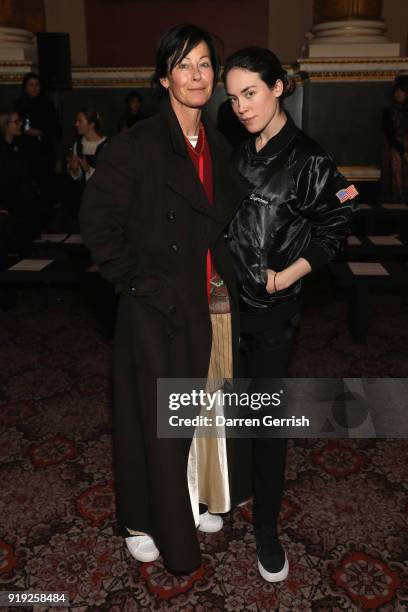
(344, 522)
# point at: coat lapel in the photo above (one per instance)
(181, 175)
(183, 179)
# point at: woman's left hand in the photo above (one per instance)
(277, 281)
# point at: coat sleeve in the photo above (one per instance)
(318, 186)
(105, 208)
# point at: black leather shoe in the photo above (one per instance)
(272, 560)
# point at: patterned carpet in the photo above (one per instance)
(344, 521)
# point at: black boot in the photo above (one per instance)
(272, 560)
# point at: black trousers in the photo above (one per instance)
(265, 354)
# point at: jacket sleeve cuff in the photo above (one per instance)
(316, 256)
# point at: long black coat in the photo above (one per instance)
(148, 224)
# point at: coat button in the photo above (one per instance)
(171, 215)
(172, 309)
(175, 247)
(171, 336)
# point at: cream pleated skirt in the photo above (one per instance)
(207, 468)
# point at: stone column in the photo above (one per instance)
(19, 21)
(349, 28)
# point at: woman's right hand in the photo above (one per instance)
(73, 164)
(278, 281)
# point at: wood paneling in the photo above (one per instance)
(125, 33)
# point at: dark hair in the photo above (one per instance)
(92, 116)
(133, 94)
(176, 43)
(401, 82)
(262, 61)
(27, 77)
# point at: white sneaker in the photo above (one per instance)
(274, 576)
(142, 548)
(210, 523)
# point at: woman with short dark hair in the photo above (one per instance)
(153, 217)
(293, 219)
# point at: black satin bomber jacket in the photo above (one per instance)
(290, 210)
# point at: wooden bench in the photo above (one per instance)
(360, 286)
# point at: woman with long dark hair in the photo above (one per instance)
(293, 219)
(153, 217)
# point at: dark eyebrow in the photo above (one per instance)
(242, 91)
(202, 57)
(246, 88)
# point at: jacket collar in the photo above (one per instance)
(276, 143)
(176, 134)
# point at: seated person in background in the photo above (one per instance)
(395, 153)
(18, 219)
(133, 112)
(81, 162)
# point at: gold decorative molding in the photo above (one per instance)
(352, 76)
(305, 70)
(120, 69)
(352, 69)
(354, 60)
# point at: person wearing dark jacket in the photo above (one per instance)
(41, 135)
(293, 219)
(395, 153)
(133, 112)
(17, 193)
(153, 216)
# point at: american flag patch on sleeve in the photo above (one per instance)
(347, 194)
